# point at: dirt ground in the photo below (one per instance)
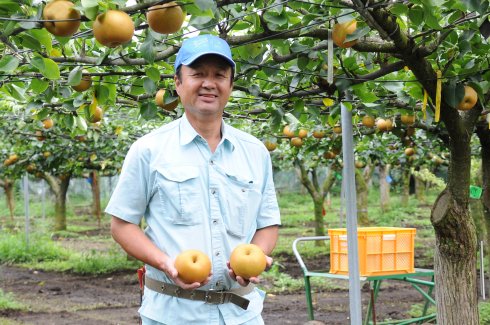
(61, 298)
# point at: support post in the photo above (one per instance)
(26, 207)
(351, 215)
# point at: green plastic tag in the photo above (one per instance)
(475, 192)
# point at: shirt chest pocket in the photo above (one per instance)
(180, 195)
(240, 205)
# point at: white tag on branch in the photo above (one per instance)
(330, 58)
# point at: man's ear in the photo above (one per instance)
(177, 83)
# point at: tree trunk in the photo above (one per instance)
(8, 187)
(420, 188)
(405, 197)
(384, 187)
(455, 251)
(59, 186)
(319, 219)
(95, 196)
(317, 191)
(60, 212)
(362, 199)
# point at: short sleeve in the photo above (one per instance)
(131, 195)
(269, 214)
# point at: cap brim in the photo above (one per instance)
(191, 59)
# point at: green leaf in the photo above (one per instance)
(44, 38)
(148, 51)
(399, 9)
(69, 121)
(51, 69)
(205, 4)
(31, 43)
(364, 94)
(102, 93)
(342, 84)
(149, 86)
(38, 63)
(81, 123)
(416, 15)
(16, 92)
(38, 86)
(75, 76)
(449, 93)
(431, 20)
(148, 110)
(8, 63)
(279, 19)
(89, 3)
(91, 12)
(303, 62)
(153, 73)
(472, 5)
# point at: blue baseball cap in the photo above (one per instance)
(195, 47)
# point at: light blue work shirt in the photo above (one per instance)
(194, 199)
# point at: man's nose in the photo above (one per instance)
(208, 82)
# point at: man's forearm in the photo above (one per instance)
(266, 238)
(133, 240)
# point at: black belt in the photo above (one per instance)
(214, 297)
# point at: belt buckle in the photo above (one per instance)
(214, 297)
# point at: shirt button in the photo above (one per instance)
(217, 253)
(215, 222)
(213, 191)
(218, 283)
(211, 162)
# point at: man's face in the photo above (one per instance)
(205, 86)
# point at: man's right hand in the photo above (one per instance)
(170, 270)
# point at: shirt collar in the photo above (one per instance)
(188, 134)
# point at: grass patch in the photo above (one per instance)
(15, 249)
(484, 310)
(44, 254)
(8, 302)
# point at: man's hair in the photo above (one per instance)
(178, 72)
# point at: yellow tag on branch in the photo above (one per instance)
(438, 95)
(328, 102)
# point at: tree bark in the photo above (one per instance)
(318, 191)
(384, 187)
(455, 252)
(362, 199)
(420, 188)
(405, 197)
(8, 187)
(95, 196)
(59, 186)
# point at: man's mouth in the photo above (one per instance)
(208, 95)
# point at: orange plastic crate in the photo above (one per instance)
(382, 250)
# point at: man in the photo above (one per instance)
(200, 184)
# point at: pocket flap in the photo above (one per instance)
(240, 181)
(179, 173)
